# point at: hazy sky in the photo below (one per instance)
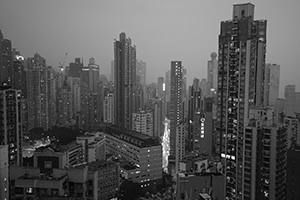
(162, 30)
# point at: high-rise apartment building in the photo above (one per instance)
(94, 75)
(125, 80)
(37, 93)
(142, 122)
(6, 62)
(292, 100)
(108, 108)
(168, 85)
(160, 87)
(242, 49)
(272, 77)
(194, 106)
(264, 167)
(51, 96)
(18, 81)
(293, 173)
(4, 172)
(175, 105)
(141, 71)
(10, 123)
(212, 72)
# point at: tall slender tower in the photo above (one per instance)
(175, 106)
(212, 73)
(242, 49)
(193, 107)
(125, 81)
(6, 61)
(37, 92)
(11, 127)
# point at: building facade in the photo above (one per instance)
(242, 49)
(175, 104)
(272, 78)
(142, 122)
(125, 80)
(10, 121)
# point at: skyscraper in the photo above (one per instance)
(160, 87)
(11, 126)
(265, 157)
(194, 107)
(93, 75)
(242, 49)
(272, 77)
(141, 71)
(125, 80)
(292, 100)
(212, 72)
(75, 68)
(37, 93)
(175, 106)
(108, 108)
(6, 62)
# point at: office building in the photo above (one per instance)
(272, 77)
(292, 100)
(175, 104)
(242, 50)
(212, 72)
(4, 172)
(142, 122)
(11, 131)
(264, 166)
(37, 93)
(125, 81)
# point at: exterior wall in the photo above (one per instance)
(10, 115)
(265, 157)
(147, 159)
(293, 174)
(272, 77)
(142, 122)
(108, 108)
(125, 81)
(240, 86)
(175, 103)
(38, 96)
(4, 172)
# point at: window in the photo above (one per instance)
(48, 165)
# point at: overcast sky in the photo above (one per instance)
(162, 30)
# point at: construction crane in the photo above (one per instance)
(61, 65)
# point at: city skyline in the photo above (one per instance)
(156, 28)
